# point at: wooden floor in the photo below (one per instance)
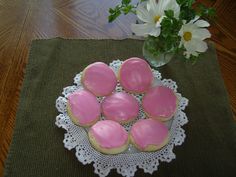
(24, 20)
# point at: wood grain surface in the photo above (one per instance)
(24, 20)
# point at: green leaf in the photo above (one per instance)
(111, 11)
(211, 12)
(205, 12)
(126, 2)
(190, 3)
(193, 59)
(187, 14)
(169, 13)
(180, 2)
(112, 17)
(114, 13)
(187, 3)
(127, 9)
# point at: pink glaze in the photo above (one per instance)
(160, 101)
(99, 78)
(109, 134)
(84, 106)
(120, 107)
(136, 75)
(149, 132)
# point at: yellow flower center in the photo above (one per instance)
(157, 18)
(187, 36)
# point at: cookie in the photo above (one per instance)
(108, 137)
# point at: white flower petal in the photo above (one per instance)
(181, 43)
(161, 6)
(195, 19)
(181, 33)
(194, 53)
(188, 27)
(142, 29)
(182, 29)
(158, 23)
(172, 5)
(189, 46)
(187, 54)
(155, 32)
(201, 33)
(143, 14)
(202, 23)
(152, 5)
(200, 46)
(195, 45)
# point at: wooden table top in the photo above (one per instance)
(22, 21)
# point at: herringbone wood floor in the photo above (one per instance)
(22, 21)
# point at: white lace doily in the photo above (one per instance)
(127, 162)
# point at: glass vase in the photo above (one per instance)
(156, 60)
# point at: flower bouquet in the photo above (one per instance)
(169, 26)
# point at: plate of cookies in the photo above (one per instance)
(122, 116)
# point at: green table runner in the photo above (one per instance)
(37, 149)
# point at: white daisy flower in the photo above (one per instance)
(152, 14)
(192, 36)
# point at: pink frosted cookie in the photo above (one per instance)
(83, 108)
(160, 103)
(99, 79)
(149, 135)
(135, 75)
(120, 107)
(108, 137)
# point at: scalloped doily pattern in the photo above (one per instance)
(127, 162)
